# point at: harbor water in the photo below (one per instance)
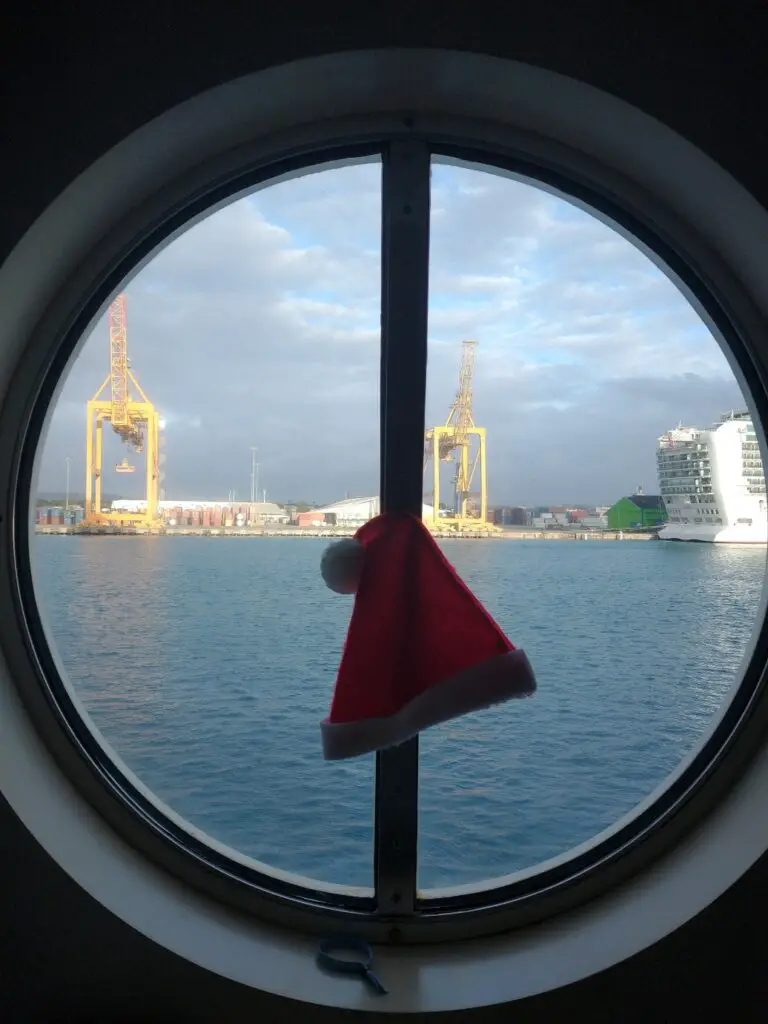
(207, 668)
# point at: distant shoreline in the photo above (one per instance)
(331, 534)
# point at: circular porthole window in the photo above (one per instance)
(215, 414)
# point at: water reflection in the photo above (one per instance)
(207, 665)
(637, 647)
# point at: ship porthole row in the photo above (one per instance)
(395, 912)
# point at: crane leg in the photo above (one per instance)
(483, 480)
(464, 478)
(98, 462)
(152, 465)
(88, 509)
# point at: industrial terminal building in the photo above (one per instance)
(207, 513)
(352, 512)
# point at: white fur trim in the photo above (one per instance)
(498, 679)
(342, 564)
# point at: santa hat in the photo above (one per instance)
(420, 649)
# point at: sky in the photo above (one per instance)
(259, 326)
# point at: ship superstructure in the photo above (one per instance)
(713, 483)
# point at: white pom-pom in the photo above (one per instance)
(342, 564)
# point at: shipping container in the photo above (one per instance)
(309, 519)
(595, 522)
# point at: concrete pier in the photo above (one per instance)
(329, 534)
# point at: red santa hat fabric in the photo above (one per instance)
(420, 649)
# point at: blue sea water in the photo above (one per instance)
(207, 664)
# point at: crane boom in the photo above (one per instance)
(460, 416)
(118, 364)
(123, 423)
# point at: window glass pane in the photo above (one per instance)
(601, 392)
(205, 655)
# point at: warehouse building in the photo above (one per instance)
(353, 512)
(637, 512)
(218, 511)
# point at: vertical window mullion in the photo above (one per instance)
(404, 306)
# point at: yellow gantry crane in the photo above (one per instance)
(454, 440)
(134, 420)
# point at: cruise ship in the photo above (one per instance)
(713, 483)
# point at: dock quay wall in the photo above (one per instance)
(328, 534)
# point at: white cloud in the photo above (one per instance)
(260, 326)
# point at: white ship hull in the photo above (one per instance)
(710, 534)
(713, 483)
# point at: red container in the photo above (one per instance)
(206, 517)
(216, 517)
(307, 519)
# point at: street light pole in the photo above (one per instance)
(254, 471)
(67, 460)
